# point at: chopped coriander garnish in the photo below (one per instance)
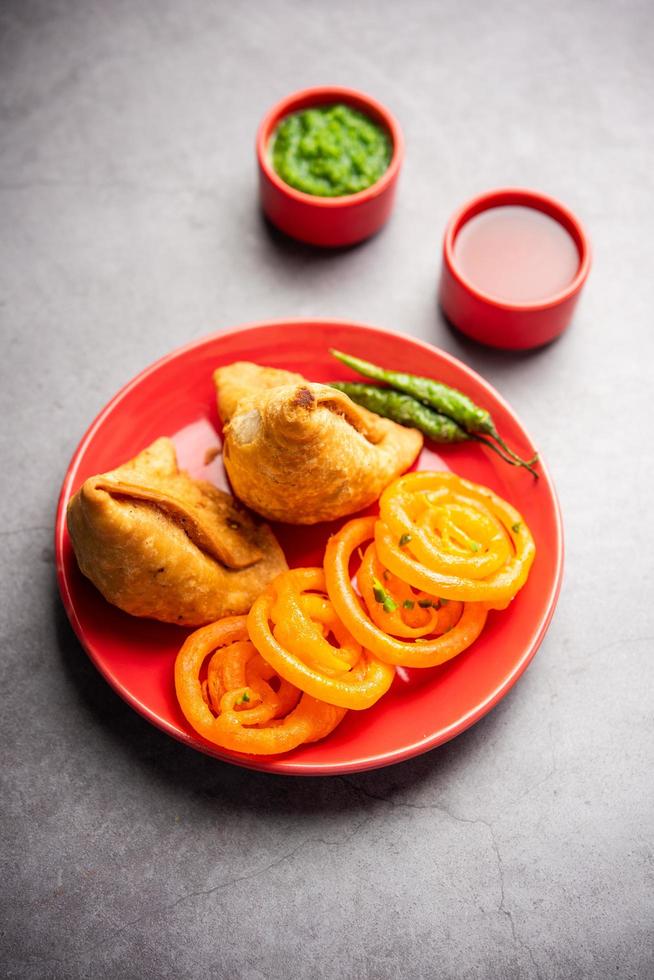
(425, 603)
(474, 546)
(404, 540)
(516, 527)
(382, 596)
(246, 696)
(408, 603)
(443, 602)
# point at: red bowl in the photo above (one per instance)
(328, 221)
(500, 323)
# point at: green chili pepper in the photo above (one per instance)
(403, 409)
(438, 396)
(409, 411)
(441, 398)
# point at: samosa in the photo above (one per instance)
(160, 544)
(303, 452)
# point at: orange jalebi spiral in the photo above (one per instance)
(413, 613)
(459, 624)
(453, 538)
(236, 706)
(442, 552)
(290, 625)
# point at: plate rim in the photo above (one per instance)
(274, 764)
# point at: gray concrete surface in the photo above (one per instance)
(523, 849)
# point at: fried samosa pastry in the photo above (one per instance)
(157, 543)
(304, 453)
(242, 378)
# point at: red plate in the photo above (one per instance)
(424, 708)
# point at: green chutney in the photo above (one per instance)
(330, 151)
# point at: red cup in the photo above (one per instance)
(328, 221)
(500, 323)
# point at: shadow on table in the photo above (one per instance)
(295, 249)
(485, 358)
(190, 773)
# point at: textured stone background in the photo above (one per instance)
(130, 226)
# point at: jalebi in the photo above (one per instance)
(453, 538)
(290, 625)
(318, 642)
(455, 625)
(242, 704)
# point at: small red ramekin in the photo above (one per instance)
(328, 221)
(498, 323)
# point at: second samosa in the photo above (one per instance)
(160, 544)
(303, 452)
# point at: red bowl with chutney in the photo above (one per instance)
(328, 221)
(514, 264)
